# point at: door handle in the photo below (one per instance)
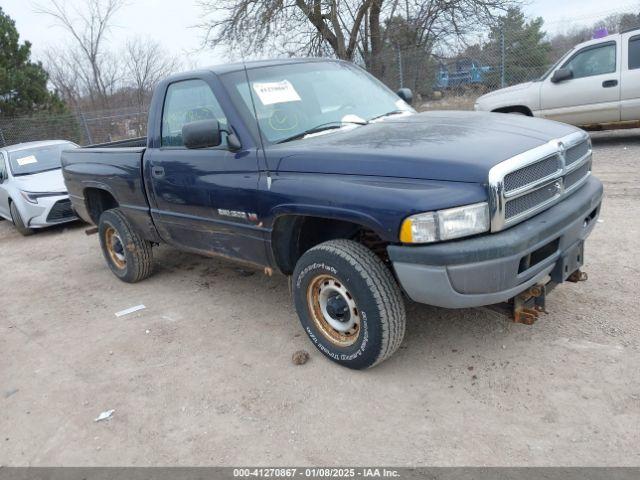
(157, 172)
(610, 83)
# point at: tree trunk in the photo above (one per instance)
(377, 65)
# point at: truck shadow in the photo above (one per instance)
(7, 229)
(615, 138)
(431, 331)
(61, 228)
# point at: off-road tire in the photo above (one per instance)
(17, 221)
(380, 306)
(137, 252)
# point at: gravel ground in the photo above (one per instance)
(203, 375)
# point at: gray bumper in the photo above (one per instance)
(493, 268)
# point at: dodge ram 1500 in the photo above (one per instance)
(315, 169)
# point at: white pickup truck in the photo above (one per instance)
(596, 85)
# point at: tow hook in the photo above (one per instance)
(528, 305)
(578, 276)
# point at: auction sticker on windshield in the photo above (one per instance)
(271, 93)
(28, 160)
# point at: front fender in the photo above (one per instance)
(528, 97)
(330, 212)
(377, 203)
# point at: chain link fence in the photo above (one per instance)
(83, 128)
(515, 50)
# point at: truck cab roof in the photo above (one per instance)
(610, 37)
(250, 65)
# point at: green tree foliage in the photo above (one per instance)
(526, 55)
(23, 83)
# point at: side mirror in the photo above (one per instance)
(561, 75)
(201, 134)
(405, 94)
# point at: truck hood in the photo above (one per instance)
(450, 146)
(508, 90)
(45, 182)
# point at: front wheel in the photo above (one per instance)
(128, 255)
(349, 303)
(17, 221)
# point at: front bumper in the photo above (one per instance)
(493, 268)
(48, 211)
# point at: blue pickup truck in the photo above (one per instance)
(315, 169)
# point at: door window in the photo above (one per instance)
(188, 101)
(634, 53)
(593, 61)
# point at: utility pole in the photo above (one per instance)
(87, 133)
(502, 56)
(401, 73)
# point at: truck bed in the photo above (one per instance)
(129, 142)
(112, 168)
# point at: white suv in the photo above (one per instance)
(595, 85)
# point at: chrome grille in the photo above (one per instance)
(576, 175)
(576, 153)
(532, 173)
(526, 184)
(531, 200)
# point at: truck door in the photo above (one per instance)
(630, 93)
(592, 95)
(202, 200)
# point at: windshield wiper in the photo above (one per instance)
(319, 128)
(388, 114)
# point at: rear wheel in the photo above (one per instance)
(349, 303)
(128, 255)
(17, 221)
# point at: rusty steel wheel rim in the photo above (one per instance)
(115, 247)
(334, 310)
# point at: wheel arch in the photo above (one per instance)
(10, 202)
(294, 233)
(522, 109)
(97, 200)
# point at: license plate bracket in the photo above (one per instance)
(570, 261)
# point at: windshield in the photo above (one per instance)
(39, 159)
(296, 98)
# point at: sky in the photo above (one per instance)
(172, 23)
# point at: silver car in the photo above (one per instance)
(32, 190)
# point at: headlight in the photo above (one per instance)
(32, 197)
(446, 224)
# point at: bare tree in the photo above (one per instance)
(347, 29)
(298, 25)
(66, 75)
(87, 60)
(146, 63)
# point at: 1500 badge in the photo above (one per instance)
(223, 212)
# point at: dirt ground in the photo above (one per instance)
(203, 375)
(451, 101)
